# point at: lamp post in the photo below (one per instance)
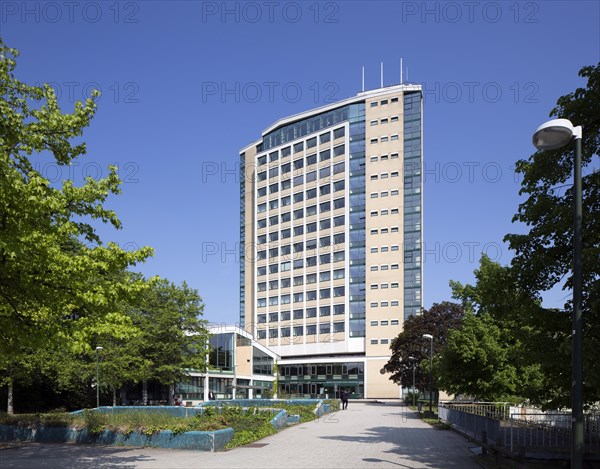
(413, 387)
(97, 378)
(552, 135)
(430, 337)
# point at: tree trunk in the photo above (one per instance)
(9, 403)
(171, 393)
(144, 392)
(124, 395)
(114, 396)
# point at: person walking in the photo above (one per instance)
(344, 398)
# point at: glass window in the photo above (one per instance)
(324, 328)
(338, 327)
(285, 201)
(311, 193)
(324, 190)
(311, 227)
(285, 283)
(298, 230)
(286, 184)
(298, 297)
(311, 295)
(324, 293)
(325, 276)
(298, 147)
(338, 203)
(311, 159)
(262, 318)
(311, 312)
(262, 176)
(285, 233)
(325, 207)
(311, 261)
(339, 256)
(339, 291)
(339, 150)
(261, 302)
(261, 271)
(299, 213)
(311, 210)
(338, 274)
(298, 331)
(299, 164)
(339, 309)
(324, 172)
(325, 311)
(285, 217)
(324, 155)
(262, 192)
(261, 223)
(339, 221)
(262, 208)
(324, 138)
(262, 286)
(340, 132)
(325, 224)
(310, 177)
(311, 278)
(339, 185)
(311, 329)
(311, 142)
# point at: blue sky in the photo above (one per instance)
(186, 85)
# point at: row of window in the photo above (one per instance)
(384, 120)
(310, 295)
(301, 314)
(304, 178)
(385, 211)
(383, 286)
(381, 341)
(324, 155)
(384, 304)
(300, 213)
(298, 331)
(299, 230)
(393, 192)
(384, 138)
(311, 261)
(300, 146)
(375, 268)
(298, 280)
(383, 102)
(310, 245)
(375, 177)
(385, 322)
(384, 157)
(393, 247)
(393, 229)
(300, 196)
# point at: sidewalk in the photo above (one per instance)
(367, 435)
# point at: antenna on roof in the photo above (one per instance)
(381, 74)
(363, 78)
(401, 70)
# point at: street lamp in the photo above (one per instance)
(97, 378)
(430, 337)
(552, 135)
(413, 390)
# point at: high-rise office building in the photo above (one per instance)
(331, 229)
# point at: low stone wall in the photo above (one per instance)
(175, 411)
(204, 441)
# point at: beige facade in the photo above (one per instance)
(324, 283)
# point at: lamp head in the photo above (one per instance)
(99, 348)
(428, 336)
(555, 134)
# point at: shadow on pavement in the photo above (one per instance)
(50, 455)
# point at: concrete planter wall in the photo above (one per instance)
(204, 441)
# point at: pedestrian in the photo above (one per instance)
(211, 396)
(344, 398)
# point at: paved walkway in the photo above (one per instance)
(367, 435)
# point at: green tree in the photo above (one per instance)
(56, 275)
(173, 337)
(544, 255)
(506, 343)
(437, 321)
